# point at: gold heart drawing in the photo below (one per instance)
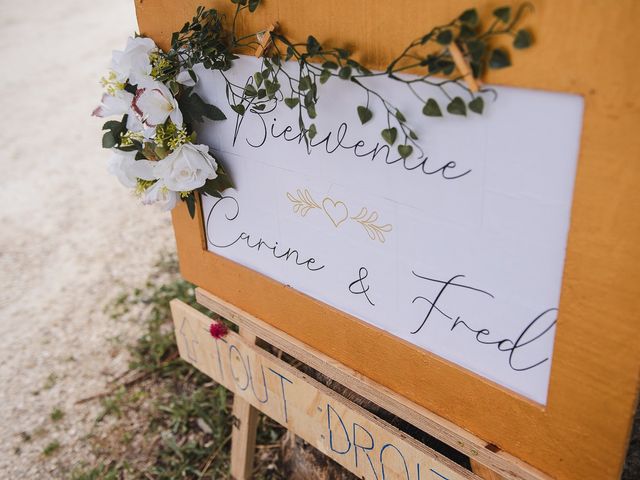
(336, 211)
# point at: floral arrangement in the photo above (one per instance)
(154, 150)
(154, 144)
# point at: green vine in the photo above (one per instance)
(428, 57)
(207, 41)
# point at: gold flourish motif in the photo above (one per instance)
(367, 220)
(338, 213)
(303, 202)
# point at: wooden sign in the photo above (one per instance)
(495, 281)
(354, 438)
(458, 250)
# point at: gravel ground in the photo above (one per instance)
(71, 236)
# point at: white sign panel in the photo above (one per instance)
(459, 252)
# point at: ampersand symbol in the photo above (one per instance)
(363, 273)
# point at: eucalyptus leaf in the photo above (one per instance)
(405, 150)
(476, 49)
(522, 40)
(257, 77)
(432, 109)
(477, 105)
(292, 102)
(499, 59)
(111, 125)
(253, 4)
(503, 14)
(470, 17)
(239, 109)
(214, 187)
(325, 76)
(313, 46)
(444, 37)
(426, 38)
(191, 205)
(364, 114)
(345, 73)
(400, 116)
(311, 111)
(330, 65)
(466, 32)
(194, 109)
(457, 107)
(271, 87)
(290, 53)
(108, 140)
(446, 66)
(309, 99)
(305, 83)
(312, 132)
(476, 69)
(389, 135)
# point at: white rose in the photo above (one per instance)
(133, 63)
(127, 169)
(160, 195)
(154, 103)
(136, 126)
(188, 167)
(185, 79)
(117, 104)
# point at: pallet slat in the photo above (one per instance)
(340, 429)
(505, 465)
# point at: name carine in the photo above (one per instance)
(227, 210)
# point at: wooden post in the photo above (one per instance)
(309, 409)
(510, 467)
(243, 435)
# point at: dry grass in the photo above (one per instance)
(163, 419)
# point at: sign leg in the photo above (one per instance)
(243, 436)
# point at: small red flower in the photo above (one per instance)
(218, 329)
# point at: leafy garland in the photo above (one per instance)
(154, 142)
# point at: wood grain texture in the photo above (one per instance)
(584, 47)
(484, 472)
(353, 437)
(243, 435)
(475, 448)
(463, 67)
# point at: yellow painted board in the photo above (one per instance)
(582, 46)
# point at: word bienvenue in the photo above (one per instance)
(440, 298)
(339, 141)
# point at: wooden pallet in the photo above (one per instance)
(355, 438)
